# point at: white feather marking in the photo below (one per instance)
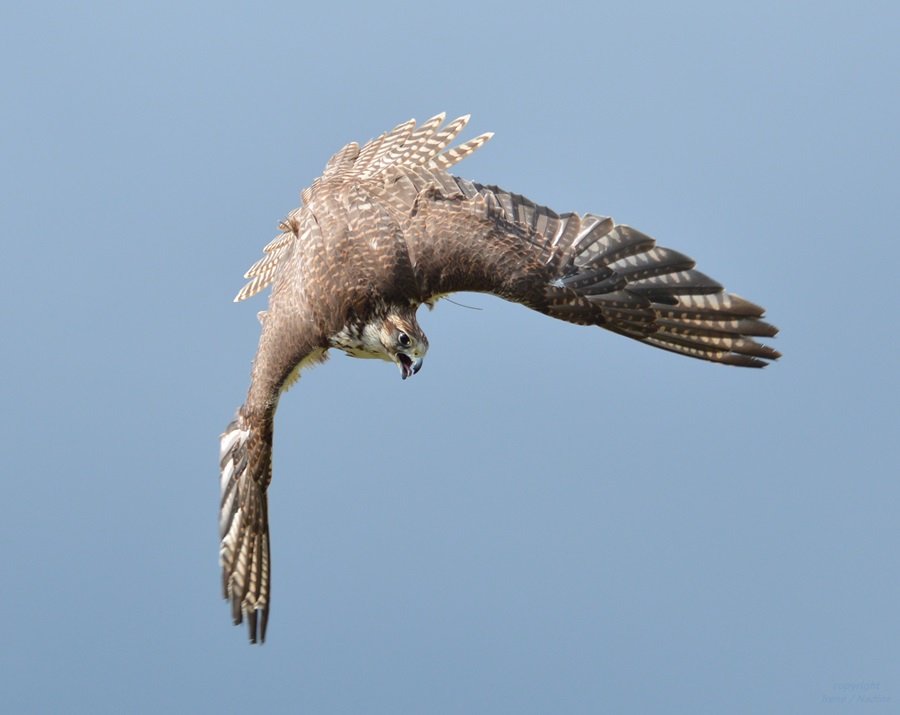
(226, 553)
(225, 512)
(229, 439)
(587, 225)
(560, 230)
(227, 472)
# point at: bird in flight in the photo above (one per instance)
(386, 229)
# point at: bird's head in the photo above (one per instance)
(403, 341)
(394, 336)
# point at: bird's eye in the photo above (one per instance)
(404, 340)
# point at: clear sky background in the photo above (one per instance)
(547, 518)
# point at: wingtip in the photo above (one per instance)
(257, 620)
(251, 625)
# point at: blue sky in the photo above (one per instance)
(547, 518)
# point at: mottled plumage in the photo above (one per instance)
(386, 229)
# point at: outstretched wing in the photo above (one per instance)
(291, 339)
(586, 270)
(245, 459)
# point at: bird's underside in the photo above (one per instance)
(386, 229)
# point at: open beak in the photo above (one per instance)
(408, 366)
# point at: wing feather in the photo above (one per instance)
(299, 226)
(583, 269)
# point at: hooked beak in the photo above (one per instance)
(408, 366)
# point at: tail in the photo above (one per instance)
(246, 463)
(616, 277)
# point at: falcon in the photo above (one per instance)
(386, 229)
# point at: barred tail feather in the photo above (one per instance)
(244, 554)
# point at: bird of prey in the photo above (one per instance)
(386, 229)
